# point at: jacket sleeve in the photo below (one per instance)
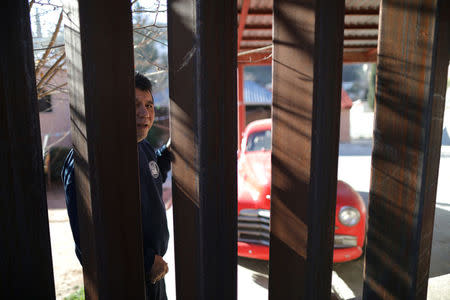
(149, 259)
(68, 178)
(164, 159)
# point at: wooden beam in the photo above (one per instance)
(360, 56)
(360, 46)
(202, 80)
(410, 102)
(257, 38)
(362, 12)
(185, 171)
(356, 26)
(245, 49)
(259, 58)
(346, 38)
(348, 12)
(265, 58)
(307, 68)
(25, 253)
(252, 27)
(242, 20)
(361, 37)
(101, 89)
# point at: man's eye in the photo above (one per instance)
(149, 106)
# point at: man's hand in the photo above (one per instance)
(159, 269)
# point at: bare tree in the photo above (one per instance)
(150, 46)
(50, 54)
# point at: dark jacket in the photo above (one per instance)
(153, 168)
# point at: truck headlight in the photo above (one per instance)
(349, 216)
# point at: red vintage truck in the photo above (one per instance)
(254, 180)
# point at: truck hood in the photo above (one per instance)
(254, 180)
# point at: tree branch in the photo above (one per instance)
(48, 3)
(55, 71)
(150, 62)
(50, 71)
(53, 47)
(151, 38)
(153, 25)
(52, 91)
(50, 45)
(148, 11)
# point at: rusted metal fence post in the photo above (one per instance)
(412, 67)
(99, 47)
(202, 80)
(307, 68)
(25, 253)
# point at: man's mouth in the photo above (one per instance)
(141, 125)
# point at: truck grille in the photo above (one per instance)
(254, 228)
(344, 241)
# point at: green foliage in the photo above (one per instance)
(57, 158)
(78, 295)
(371, 92)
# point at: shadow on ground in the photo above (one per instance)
(361, 147)
(260, 267)
(352, 272)
(440, 262)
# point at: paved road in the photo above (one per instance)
(354, 168)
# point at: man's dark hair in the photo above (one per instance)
(141, 82)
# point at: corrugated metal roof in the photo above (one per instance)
(360, 33)
(255, 94)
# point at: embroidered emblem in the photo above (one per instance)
(154, 169)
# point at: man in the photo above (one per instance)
(153, 168)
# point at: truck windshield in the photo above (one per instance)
(259, 141)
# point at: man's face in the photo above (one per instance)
(145, 113)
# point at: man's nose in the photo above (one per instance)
(141, 111)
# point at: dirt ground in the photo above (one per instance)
(66, 268)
